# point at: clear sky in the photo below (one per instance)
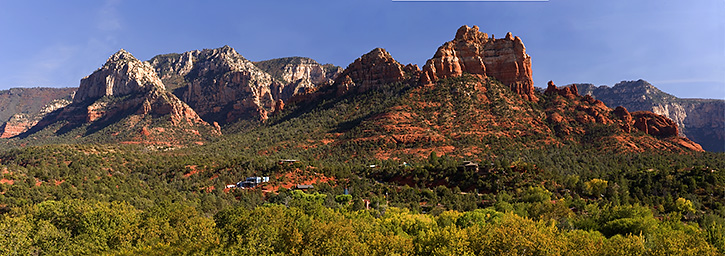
(679, 46)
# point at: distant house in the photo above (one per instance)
(304, 187)
(251, 182)
(288, 161)
(468, 166)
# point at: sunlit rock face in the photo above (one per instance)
(474, 52)
(122, 74)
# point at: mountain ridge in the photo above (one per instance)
(124, 101)
(220, 86)
(702, 120)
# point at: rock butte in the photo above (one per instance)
(472, 51)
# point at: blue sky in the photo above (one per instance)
(679, 46)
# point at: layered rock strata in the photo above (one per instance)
(220, 84)
(126, 89)
(298, 75)
(21, 122)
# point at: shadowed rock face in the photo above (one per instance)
(21, 108)
(472, 51)
(654, 124)
(21, 122)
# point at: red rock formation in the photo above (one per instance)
(654, 124)
(17, 124)
(224, 87)
(373, 69)
(20, 122)
(472, 51)
(569, 92)
(624, 115)
(278, 106)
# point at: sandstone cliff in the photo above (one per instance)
(472, 51)
(122, 74)
(298, 75)
(126, 98)
(701, 120)
(220, 84)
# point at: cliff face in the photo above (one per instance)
(701, 120)
(220, 84)
(298, 75)
(126, 96)
(122, 74)
(473, 52)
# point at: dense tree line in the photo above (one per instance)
(562, 199)
(307, 227)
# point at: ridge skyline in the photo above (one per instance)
(598, 43)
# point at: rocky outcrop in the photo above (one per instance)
(569, 91)
(298, 75)
(624, 115)
(472, 51)
(21, 122)
(220, 84)
(17, 124)
(30, 101)
(569, 114)
(371, 70)
(654, 124)
(122, 74)
(701, 120)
